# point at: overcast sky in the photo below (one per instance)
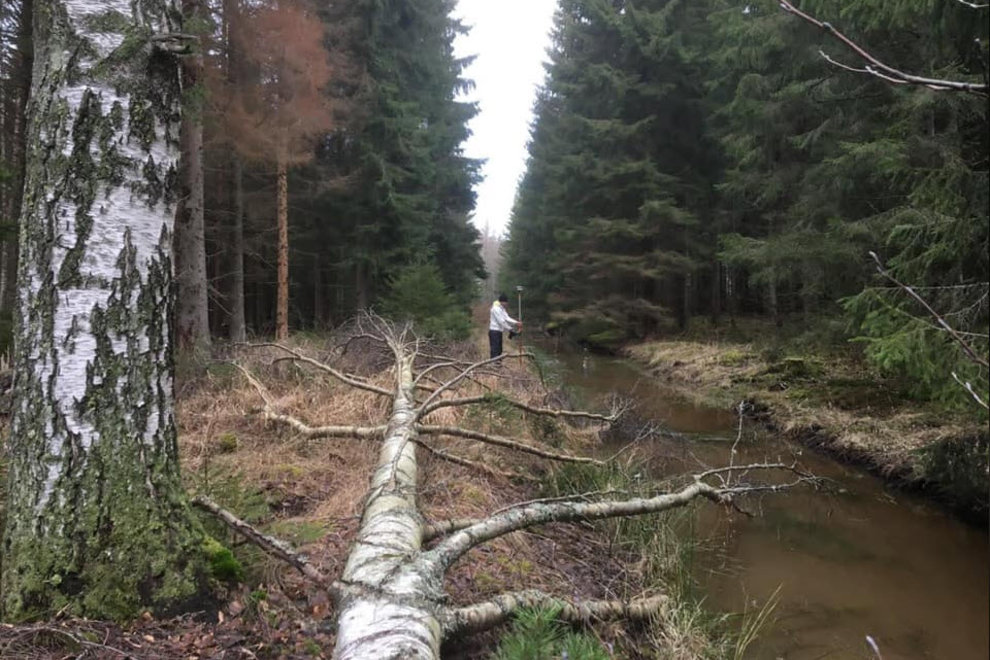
(509, 38)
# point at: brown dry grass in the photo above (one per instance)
(886, 434)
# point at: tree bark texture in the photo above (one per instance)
(192, 302)
(282, 299)
(388, 605)
(97, 522)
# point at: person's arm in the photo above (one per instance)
(505, 321)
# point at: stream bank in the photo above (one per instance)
(835, 406)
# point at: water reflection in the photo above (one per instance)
(862, 560)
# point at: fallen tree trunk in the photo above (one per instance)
(390, 597)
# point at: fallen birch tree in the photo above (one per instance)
(390, 598)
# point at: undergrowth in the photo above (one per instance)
(537, 634)
(661, 549)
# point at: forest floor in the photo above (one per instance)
(831, 401)
(310, 492)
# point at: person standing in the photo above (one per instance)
(499, 321)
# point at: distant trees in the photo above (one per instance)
(704, 156)
(618, 190)
(330, 160)
(276, 106)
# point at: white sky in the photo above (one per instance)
(509, 38)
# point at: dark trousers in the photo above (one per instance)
(495, 342)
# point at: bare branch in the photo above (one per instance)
(432, 367)
(339, 375)
(969, 388)
(740, 410)
(466, 372)
(504, 442)
(452, 548)
(271, 545)
(460, 460)
(970, 352)
(877, 68)
(549, 412)
(435, 530)
(973, 4)
(482, 616)
(540, 513)
(303, 429)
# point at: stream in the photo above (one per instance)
(861, 559)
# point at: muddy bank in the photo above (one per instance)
(837, 406)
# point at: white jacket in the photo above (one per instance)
(500, 320)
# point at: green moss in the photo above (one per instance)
(734, 358)
(227, 443)
(223, 565)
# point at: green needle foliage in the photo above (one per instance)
(418, 294)
(703, 157)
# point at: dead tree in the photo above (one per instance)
(390, 597)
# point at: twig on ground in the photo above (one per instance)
(271, 545)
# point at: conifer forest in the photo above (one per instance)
(248, 404)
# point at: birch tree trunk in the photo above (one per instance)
(97, 523)
(389, 604)
(282, 298)
(192, 302)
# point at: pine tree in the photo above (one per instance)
(616, 183)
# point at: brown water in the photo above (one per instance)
(859, 560)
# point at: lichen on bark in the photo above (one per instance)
(96, 519)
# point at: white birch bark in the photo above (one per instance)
(387, 601)
(96, 518)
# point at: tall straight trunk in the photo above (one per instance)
(361, 284)
(238, 324)
(236, 294)
(716, 292)
(282, 298)
(97, 523)
(773, 308)
(687, 304)
(15, 136)
(319, 297)
(192, 302)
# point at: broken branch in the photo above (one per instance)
(504, 442)
(459, 460)
(482, 616)
(339, 375)
(301, 427)
(549, 412)
(271, 545)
